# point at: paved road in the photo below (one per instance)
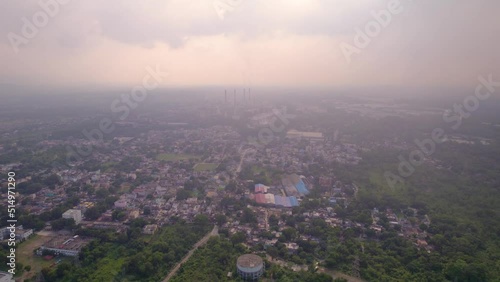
(203, 241)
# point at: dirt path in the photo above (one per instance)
(336, 274)
(200, 243)
(238, 170)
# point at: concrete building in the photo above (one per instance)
(67, 246)
(150, 229)
(117, 226)
(122, 203)
(21, 233)
(250, 267)
(4, 233)
(76, 215)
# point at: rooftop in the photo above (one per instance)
(72, 212)
(67, 243)
(295, 133)
(249, 260)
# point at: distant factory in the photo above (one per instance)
(313, 136)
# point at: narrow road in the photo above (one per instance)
(238, 170)
(203, 241)
(356, 189)
(337, 274)
(296, 267)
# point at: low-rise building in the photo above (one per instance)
(122, 203)
(64, 245)
(23, 234)
(76, 215)
(20, 233)
(150, 229)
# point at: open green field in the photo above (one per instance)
(205, 167)
(176, 157)
(261, 174)
(108, 166)
(27, 257)
(108, 269)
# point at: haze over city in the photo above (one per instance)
(249, 140)
(263, 43)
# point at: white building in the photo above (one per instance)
(122, 203)
(21, 234)
(74, 214)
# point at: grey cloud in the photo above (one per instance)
(454, 36)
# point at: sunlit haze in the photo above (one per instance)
(260, 43)
(250, 140)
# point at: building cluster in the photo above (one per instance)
(261, 195)
(176, 170)
(408, 224)
(299, 154)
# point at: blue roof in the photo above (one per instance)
(301, 187)
(280, 200)
(287, 202)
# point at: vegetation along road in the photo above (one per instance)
(203, 241)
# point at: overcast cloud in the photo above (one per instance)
(282, 42)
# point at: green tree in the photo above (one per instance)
(238, 237)
(92, 213)
(220, 219)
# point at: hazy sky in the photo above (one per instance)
(258, 42)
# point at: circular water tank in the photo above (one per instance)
(250, 267)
